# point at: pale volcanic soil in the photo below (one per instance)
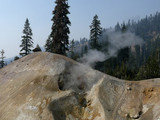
(46, 86)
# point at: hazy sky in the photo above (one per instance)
(13, 14)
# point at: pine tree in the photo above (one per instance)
(124, 28)
(37, 49)
(49, 44)
(85, 49)
(27, 41)
(117, 28)
(151, 69)
(72, 48)
(60, 29)
(95, 32)
(2, 59)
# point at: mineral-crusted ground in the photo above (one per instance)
(45, 86)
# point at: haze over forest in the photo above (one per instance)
(39, 12)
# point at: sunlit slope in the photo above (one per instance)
(45, 86)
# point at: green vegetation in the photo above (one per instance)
(95, 32)
(2, 63)
(27, 42)
(137, 62)
(134, 62)
(60, 29)
(49, 44)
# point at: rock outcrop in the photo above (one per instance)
(45, 86)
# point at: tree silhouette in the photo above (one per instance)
(95, 32)
(2, 58)
(60, 29)
(27, 42)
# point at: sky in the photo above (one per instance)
(13, 14)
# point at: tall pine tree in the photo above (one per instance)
(27, 41)
(60, 29)
(95, 32)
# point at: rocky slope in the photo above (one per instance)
(45, 86)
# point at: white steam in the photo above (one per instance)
(119, 40)
(93, 56)
(81, 77)
(114, 41)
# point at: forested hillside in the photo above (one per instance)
(142, 61)
(133, 62)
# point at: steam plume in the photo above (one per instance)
(114, 42)
(119, 40)
(92, 57)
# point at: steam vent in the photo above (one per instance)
(45, 86)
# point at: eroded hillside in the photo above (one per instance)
(45, 86)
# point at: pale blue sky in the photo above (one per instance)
(13, 14)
